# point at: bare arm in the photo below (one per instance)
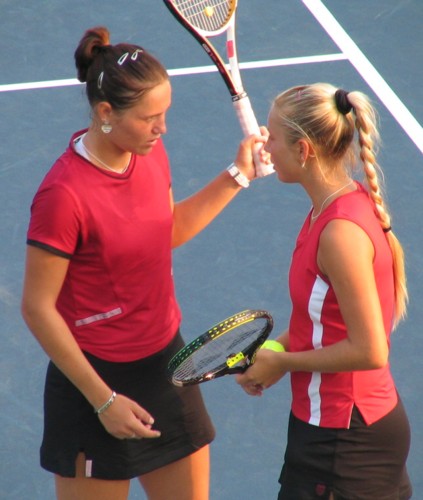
(192, 215)
(44, 277)
(345, 256)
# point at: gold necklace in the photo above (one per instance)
(314, 217)
(107, 167)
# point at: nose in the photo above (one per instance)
(160, 126)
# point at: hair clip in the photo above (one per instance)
(122, 58)
(100, 80)
(135, 54)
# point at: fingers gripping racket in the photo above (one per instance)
(227, 348)
(208, 18)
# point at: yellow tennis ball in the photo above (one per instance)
(209, 11)
(273, 345)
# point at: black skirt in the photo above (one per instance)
(70, 425)
(363, 462)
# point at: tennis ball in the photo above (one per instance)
(209, 11)
(273, 345)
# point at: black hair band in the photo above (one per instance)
(387, 229)
(342, 103)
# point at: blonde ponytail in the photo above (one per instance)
(327, 117)
(368, 135)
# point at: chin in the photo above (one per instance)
(144, 150)
(279, 175)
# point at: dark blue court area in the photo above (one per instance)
(241, 260)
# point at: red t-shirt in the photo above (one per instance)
(327, 399)
(118, 296)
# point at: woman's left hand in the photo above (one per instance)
(265, 372)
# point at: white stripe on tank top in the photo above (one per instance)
(315, 305)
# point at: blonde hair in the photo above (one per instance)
(320, 113)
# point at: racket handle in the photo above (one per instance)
(249, 126)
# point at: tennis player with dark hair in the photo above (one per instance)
(348, 434)
(99, 293)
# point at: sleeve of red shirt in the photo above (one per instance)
(54, 220)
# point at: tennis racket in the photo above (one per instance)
(227, 348)
(209, 18)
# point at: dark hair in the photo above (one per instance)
(119, 74)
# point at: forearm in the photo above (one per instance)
(192, 215)
(57, 341)
(342, 356)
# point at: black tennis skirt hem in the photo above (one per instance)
(362, 462)
(62, 468)
(71, 427)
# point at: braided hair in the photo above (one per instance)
(329, 119)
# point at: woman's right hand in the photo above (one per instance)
(125, 419)
(245, 156)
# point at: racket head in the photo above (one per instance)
(226, 348)
(206, 17)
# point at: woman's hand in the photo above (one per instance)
(265, 372)
(125, 419)
(245, 156)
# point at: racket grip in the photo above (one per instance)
(249, 126)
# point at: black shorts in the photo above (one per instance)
(70, 425)
(359, 463)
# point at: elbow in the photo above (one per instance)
(377, 358)
(26, 311)
(176, 243)
(30, 311)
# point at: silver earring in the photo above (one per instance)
(106, 128)
(303, 164)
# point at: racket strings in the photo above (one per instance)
(216, 353)
(207, 15)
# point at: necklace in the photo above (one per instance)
(314, 217)
(107, 167)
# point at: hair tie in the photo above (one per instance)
(342, 103)
(387, 229)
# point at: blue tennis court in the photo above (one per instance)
(240, 261)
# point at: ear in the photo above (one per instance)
(305, 150)
(104, 110)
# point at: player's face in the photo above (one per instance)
(284, 155)
(137, 129)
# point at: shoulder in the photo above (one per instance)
(343, 244)
(350, 213)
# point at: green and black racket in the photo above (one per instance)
(227, 348)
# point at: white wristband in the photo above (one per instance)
(238, 176)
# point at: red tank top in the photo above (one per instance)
(327, 399)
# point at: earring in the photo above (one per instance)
(106, 128)
(302, 164)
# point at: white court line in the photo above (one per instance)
(271, 63)
(401, 114)
(184, 71)
(350, 52)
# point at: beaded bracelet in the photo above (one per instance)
(104, 407)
